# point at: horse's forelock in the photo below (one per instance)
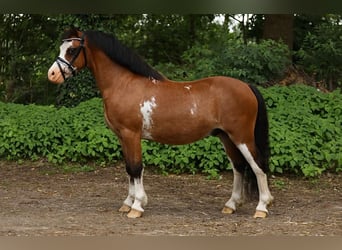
(71, 32)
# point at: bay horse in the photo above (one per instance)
(141, 103)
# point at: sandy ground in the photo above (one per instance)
(35, 199)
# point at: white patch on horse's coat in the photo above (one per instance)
(146, 109)
(193, 109)
(153, 80)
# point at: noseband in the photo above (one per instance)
(72, 68)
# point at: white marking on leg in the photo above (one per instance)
(265, 196)
(140, 195)
(131, 193)
(236, 198)
(146, 110)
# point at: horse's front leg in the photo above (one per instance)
(136, 198)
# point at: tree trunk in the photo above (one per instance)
(279, 27)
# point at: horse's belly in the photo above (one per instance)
(178, 134)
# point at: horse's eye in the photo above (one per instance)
(72, 51)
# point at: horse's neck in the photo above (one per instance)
(109, 76)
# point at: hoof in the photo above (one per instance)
(227, 210)
(125, 208)
(134, 214)
(260, 214)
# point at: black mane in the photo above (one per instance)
(121, 54)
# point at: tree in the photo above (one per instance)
(279, 27)
(29, 44)
(171, 35)
(26, 42)
(304, 24)
(321, 54)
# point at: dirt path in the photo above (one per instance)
(35, 200)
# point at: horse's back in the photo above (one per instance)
(227, 93)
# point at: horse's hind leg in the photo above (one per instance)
(239, 164)
(249, 151)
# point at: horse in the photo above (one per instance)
(141, 103)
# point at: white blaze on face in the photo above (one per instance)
(146, 109)
(54, 73)
(63, 48)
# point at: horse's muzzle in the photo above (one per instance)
(55, 75)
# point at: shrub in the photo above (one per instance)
(305, 136)
(305, 129)
(322, 52)
(65, 134)
(255, 63)
(77, 89)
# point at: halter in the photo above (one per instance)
(72, 68)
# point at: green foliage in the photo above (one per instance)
(253, 62)
(77, 89)
(305, 129)
(74, 134)
(26, 41)
(191, 158)
(305, 136)
(170, 35)
(184, 47)
(321, 52)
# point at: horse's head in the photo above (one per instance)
(70, 59)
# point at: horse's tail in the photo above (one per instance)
(261, 138)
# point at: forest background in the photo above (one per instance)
(268, 50)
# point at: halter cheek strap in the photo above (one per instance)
(60, 60)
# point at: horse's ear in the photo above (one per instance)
(74, 29)
(71, 31)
